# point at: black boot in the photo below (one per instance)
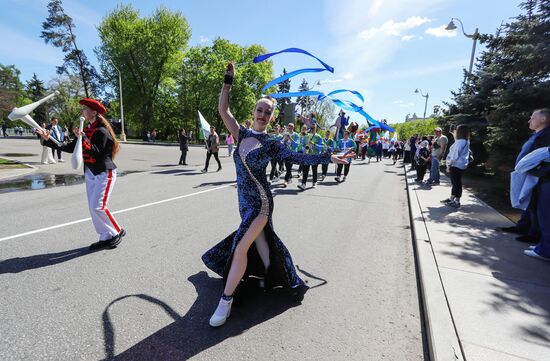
(298, 293)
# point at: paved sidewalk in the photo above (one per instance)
(483, 299)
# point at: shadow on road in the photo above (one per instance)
(518, 287)
(190, 334)
(20, 264)
(220, 183)
(173, 171)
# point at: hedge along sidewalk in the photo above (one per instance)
(498, 300)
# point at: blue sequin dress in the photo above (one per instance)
(253, 154)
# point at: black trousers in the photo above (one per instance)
(274, 171)
(208, 155)
(421, 171)
(339, 169)
(182, 157)
(58, 153)
(305, 173)
(324, 169)
(288, 167)
(456, 181)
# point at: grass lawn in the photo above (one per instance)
(8, 164)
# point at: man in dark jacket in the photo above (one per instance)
(539, 207)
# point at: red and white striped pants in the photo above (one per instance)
(98, 189)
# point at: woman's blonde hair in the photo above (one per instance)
(273, 101)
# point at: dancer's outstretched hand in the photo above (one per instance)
(230, 70)
(338, 159)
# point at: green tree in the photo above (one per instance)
(65, 106)
(420, 126)
(36, 90)
(201, 77)
(58, 29)
(305, 103)
(510, 81)
(148, 51)
(282, 103)
(12, 93)
(326, 112)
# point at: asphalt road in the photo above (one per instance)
(151, 298)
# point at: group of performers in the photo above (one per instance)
(254, 249)
(310, 142)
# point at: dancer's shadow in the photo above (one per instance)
(191, 334)
(20, 264)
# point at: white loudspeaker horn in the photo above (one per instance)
(76, 159)
(23, 113)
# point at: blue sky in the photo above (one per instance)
(384, 49)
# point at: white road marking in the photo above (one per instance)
(117, 212)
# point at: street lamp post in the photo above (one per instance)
(122, 134)
(425, 96)
(451, 26)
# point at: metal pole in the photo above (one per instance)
(475, 35)
(426, 104)
(122, 133)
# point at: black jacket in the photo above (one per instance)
(97, 147)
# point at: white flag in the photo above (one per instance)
(205, 127)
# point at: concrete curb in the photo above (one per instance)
(442, 337)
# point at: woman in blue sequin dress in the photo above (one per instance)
(254, 248)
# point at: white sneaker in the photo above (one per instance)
(222, 313)
(44, 162)
(61, 160)
(314, 184)
(337, 179)
(53, 161)
(302, 186)
(453, 204)
(532, 253)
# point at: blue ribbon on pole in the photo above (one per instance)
(344, 104)
(261, 58)
(292, 74)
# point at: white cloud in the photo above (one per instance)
(402, 104)
(374, 8)
(331, 81)
(348, 76)
(17, 47)
(203, 39)
(368, 59)
(440, 32)
(407, 37)
(393, 28)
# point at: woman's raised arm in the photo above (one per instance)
(223, 105)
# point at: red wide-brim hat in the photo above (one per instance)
(94, 105)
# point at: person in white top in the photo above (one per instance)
(457, 162)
